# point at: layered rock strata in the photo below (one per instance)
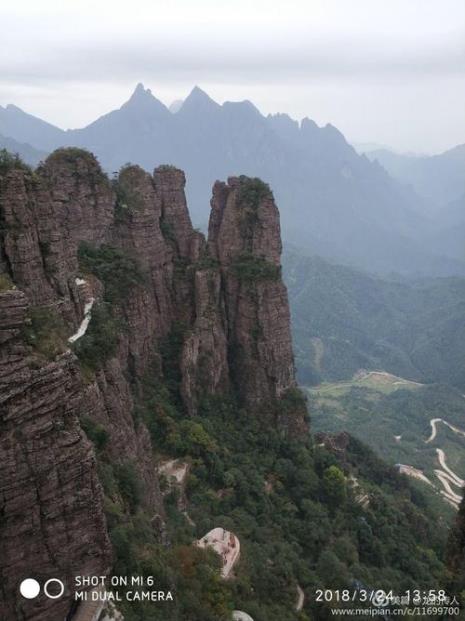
(226, 292)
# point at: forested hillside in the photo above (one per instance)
(406, 424)
(345, 320)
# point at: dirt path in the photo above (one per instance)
(318, 350)
(389, 376)
(300, 598)
(434, 430)
(86, 291)
(84, 323)
(413, 472)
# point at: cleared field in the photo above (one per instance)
(379, 381)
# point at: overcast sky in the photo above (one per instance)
(384, 71)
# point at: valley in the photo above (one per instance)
(345, 319)
(399, 419)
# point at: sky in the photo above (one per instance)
(390, 72)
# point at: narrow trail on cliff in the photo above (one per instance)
(82, 284)
(84, 323)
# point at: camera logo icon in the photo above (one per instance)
(53, 588)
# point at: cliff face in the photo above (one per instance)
(244, 236)
(226, 293)
(50, 499)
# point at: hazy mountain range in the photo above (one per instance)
(439, 179)
(29, 154)
(333, 201)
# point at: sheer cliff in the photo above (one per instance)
(96, 279)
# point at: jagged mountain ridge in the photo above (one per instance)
(358, 213)
(152, 272)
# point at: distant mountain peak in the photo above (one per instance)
(142, 98)
(140, 92)
(198, 98)
(308, 126)
(13, 108)
(199, 93)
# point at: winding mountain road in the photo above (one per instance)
(449, 492)
(446, 476)
(434, 421)
(456, 480)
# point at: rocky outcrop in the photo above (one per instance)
(336, 443)
(241, 337)
(224, 295)
(244, 219)
(226, 544)
(45, 216)
(244, 236)
(169, 183)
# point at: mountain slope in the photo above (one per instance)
(26, 128)
(334, 202)
(438, 178)
(132, 133)
(28, 154)
(345, 320)
(449, 229)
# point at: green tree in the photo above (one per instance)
(334, 486)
